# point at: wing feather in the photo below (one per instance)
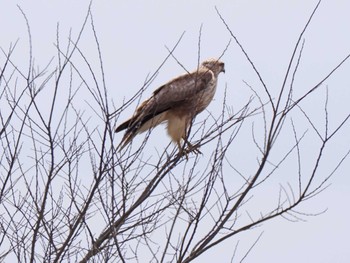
(180, 89)
(183, 87)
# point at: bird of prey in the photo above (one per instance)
(176, 103)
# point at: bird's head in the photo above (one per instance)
(214, 65)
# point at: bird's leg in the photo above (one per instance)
(191, 147)
(182, 151)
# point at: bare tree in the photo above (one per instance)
(67, 195)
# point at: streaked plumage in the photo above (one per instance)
(176, 102)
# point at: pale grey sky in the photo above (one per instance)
(133, 36)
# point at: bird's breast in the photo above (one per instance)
(205, 97)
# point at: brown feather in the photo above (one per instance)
(183, 98)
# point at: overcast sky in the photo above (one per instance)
(133, 36)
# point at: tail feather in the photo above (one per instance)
(127, 138)
(124, 125)
(131, 131)
(139, 124)
(132, 127)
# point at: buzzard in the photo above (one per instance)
(176, 103)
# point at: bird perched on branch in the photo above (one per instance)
(177, 103)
